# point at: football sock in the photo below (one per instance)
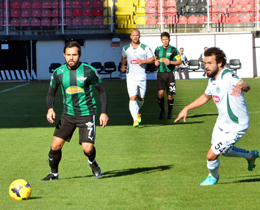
(213, 167)
(170, 105)
(54, 160)
(140, 103)
(238, 152)
(161, 103)
(133, 107)
(91, 157)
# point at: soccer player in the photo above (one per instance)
(166, 57)
(136, 54)
(227, 91)
(79, 107)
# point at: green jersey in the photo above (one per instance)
(170, 53)
(77, 85)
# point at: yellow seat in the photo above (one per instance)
(140, 11)
(107, 3)
(107, 21)
(141, 3)
(140, 21)
(107, 12)
(124, 13)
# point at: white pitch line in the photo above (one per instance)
(3, 91)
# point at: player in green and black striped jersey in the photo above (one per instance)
(76, 80)
(166, 57)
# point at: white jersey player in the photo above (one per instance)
(227, 91)
(137, 55)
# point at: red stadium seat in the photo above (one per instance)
(55, 22)
(68, 4)
(67, 21)
(235, 2)
(243, 9)
(76, 21)
(213, 10)
(222, 2)
(68, 13)
(77, 4)
(202, 19)
(56, 13)
(252, 9)
(151, 11)
(35, 22)
(46, 22)
(151, 3)
(161, 20)
(16, 5)
(4, 15)
(192, 20)
(56, 4)
(98, 3)
(224, 19)
(15, 13)
(234, 19)
(214, 19)
(46, 13)
(26, 5)
(77, 13)
(171, 20)
(243, 2)
(159, 3)
(182, 20)
(233, 10)
(25, 22)
(213, 2)
(254, 18)
(97, 21)
(87, 21)
(97, 12)
(15, 22)
(88, 4)
(46, 4)
(87, 13)
(171, 3)
(253, 2)
(151, 20)
(36, 5)
(26, 13)
(171, 11)
(159, 11)
(244, 19)
(36, 13)
(222, 10)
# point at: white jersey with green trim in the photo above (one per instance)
(134, 70)
(232, 111)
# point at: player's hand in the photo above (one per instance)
(166, 62)
(50, 115)
(139, 61)
(123, 69)
(157, 63)
(103, 119)
(237, 91)
(183, 114)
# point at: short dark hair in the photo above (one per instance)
(72, 43)
(165, 34)
(219, 54)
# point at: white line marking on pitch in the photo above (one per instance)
(14, 88)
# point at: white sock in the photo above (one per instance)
(140, 103)
(133, 107)
(213, 167)
(55, 174)
(238, 152)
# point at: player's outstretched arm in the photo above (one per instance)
(103, 119)
(241, 86)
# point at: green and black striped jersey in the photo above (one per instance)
(170, 53)
(77, 88)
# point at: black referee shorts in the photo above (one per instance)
(68, 123)
(166, 81)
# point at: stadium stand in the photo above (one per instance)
(78, 13)
(26, 4)
(87, 21)
(77, 4)
(87, 4)
(15, 22)
(16, 5)
(76, 21)
(26, 13)
(46, 4)
(37, 4)
(46, 13)
(37, 13)
(35, 22)
(15, 13)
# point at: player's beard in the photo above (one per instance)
(74, 66)
(213, 73)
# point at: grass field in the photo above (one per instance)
(156, 166)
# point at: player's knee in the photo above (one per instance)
(57, 143)
(87, 148)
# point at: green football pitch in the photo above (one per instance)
(159, 165)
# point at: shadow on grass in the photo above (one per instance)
(255, 179)
(127, 172)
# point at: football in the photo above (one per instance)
(20, 189)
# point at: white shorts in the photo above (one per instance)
(136, 87)
(222, 141)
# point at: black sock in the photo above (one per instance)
(161, 103)
(91, 157)
(170, 105)
(54, 160)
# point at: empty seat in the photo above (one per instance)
(15, 13)
(254, 18)
(56, 13)
(194, 65)
(151, 3)
(182, 20)
(56, 4)
(192, 10)
(171, 11)
(243, 2)
(214, 19)
(87, 13)
(191, 3)
(202, 19)
(213, 10)
(181, 11)
(25, 22)
(97, 12)
(171, 3)
(97, 21)
(98, 3)
(243, 9)
(46, 4)
(222, 2)
(107, 21)
(26, 13)
(234, 64)
(235, 2)
(36, 5)
(151, 20)
(97, 65)
(26, 5)
(77, 4)
(53, 66)
(46, 13)
(202, 3)
(15, 22)
(141, 11)
(15, 5)
(140, 3)
(234, 19)
(87, 21)
(77, 13)
(87, 4)
(252, 9)
(46, 22)
(68, 13)
(110, 67)
(223, 10)
(224, 19)
(244, 19)
(68, 4)
(253, 2)
(36, 13)
(151, 11)
(55, 22)
(161, 20)
(192, 20)
(67, 21)
(213, 2)
(35, 22)
(202, 10)
(76, 21)
(233, 10)
(181, 3)
(171, 20)
(160, 10)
